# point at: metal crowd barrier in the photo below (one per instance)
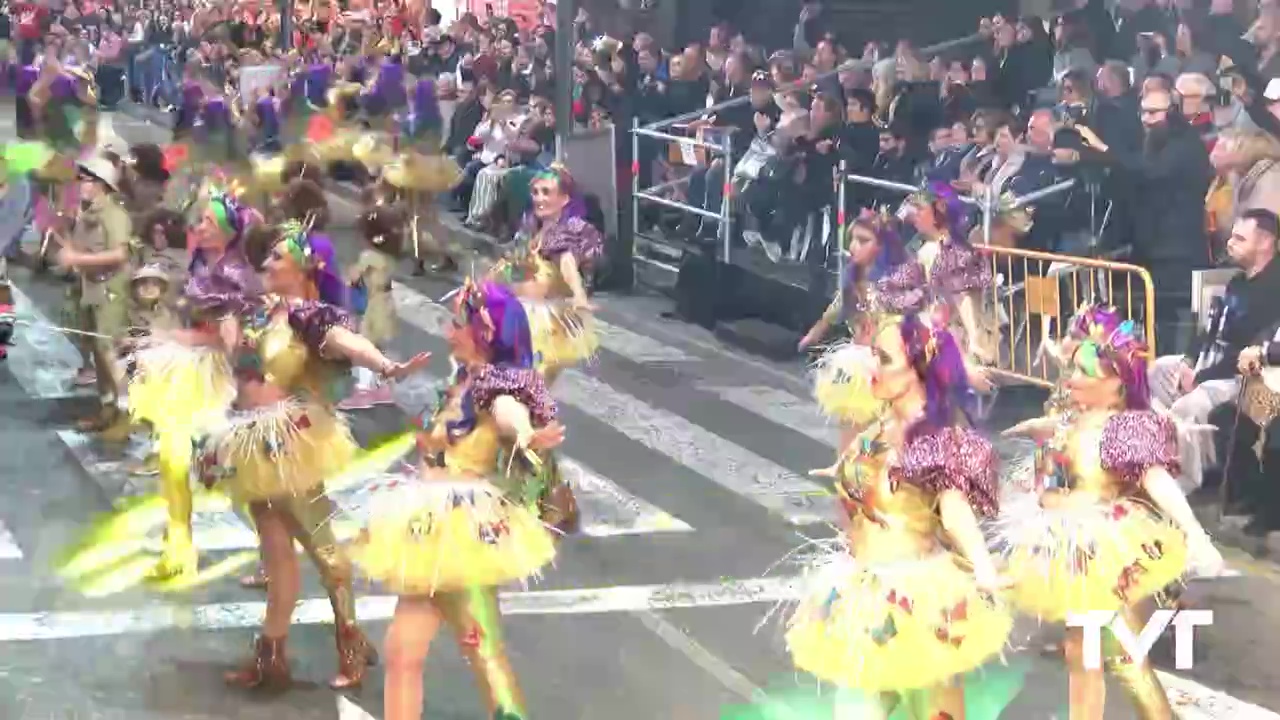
(1051, 288)
(725, 215)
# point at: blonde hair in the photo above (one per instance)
(1253, 146)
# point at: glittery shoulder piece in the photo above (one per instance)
(229, 286)
(953, 458)
(574, 235)
(313, 320)
(523, 384)
(960, 268)
(1135, 441)
(902, 290)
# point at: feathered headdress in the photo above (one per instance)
(315, 255)
(1112, 347)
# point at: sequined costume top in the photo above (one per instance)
(214, 290)
(900, 291)
(1106, 455)
(539, 265)
(284, 347)
(956, 268)
(462, 435)
(893, 508)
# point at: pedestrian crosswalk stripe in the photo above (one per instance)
(737, 469)
(9, 549)
(780, 407)
(43, 361)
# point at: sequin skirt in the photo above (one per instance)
(440, 535)
(893, 626)
(288, 448)
(1080, 554)
(180, 386)
(562, 336)
(840, 383)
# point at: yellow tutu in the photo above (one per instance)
(893, 626)
(178, 385)
(562, 336)
(428, 536)
(1091, 556)
(423, 173)
(288, 448)
(840, 384)
(372, 151)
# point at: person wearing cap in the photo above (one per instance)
(98, 252)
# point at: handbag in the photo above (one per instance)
(358, 295)
(760, 152)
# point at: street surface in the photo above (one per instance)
(691, 464)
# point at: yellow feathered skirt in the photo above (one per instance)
(841, 384)
(893, 626)
(1090, 555)
(288, 448)
(177, 385)
(562, 336)
(438, 535)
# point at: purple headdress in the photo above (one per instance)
(936, 358)
(497, 321)
(314, 253)
(423, 122)
(1111, 347)
(955, 214)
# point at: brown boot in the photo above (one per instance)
(355, 656)
(268, 669)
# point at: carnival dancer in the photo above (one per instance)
(888, 610)
(880, 282)
(169, 368)
(419, 173)
(445, 542)
(957, 272)
(98, 252)
(284, 439)
(1109, 526)
(549, 276)
(370, 280)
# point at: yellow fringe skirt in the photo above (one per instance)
(893, 626)
(562, 336)
(841, 384)
(439, 535)
(1091, 555)
(288, 448)
(178, 385)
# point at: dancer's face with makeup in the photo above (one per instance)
(864, 246)
(282, 274)
(209, 232)
(549, 199)
(891, 374)
(1091, 385)
(462, 343)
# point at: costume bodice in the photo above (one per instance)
(282, 344)
(472, 453)
(1105, 455)
(888, 519)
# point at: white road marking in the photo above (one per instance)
(679, 640)
(28, 627)
(607, 510)
(348, 710)
(9, 548)
(1193, 701)
(43, 361)
(781, 408)
(731, 466)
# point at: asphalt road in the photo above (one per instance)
(691, 460)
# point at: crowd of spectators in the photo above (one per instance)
(1165, 113)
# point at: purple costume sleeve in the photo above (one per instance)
(903, 290)
(313, 320)
(27, 77)
(523, 384)
(1136, 441)
(960, 268)
(229, 286)
(574, 235)
(953, 458)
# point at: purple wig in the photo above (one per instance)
(497, 322)
(325, 271)
(1112, 347)
(936, 358)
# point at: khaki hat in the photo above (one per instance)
(101, 168)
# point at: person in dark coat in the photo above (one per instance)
(1169, 176)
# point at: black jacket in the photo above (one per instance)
(1248, 309)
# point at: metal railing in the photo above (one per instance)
(725, 215)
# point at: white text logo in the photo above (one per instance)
(1137, 646)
